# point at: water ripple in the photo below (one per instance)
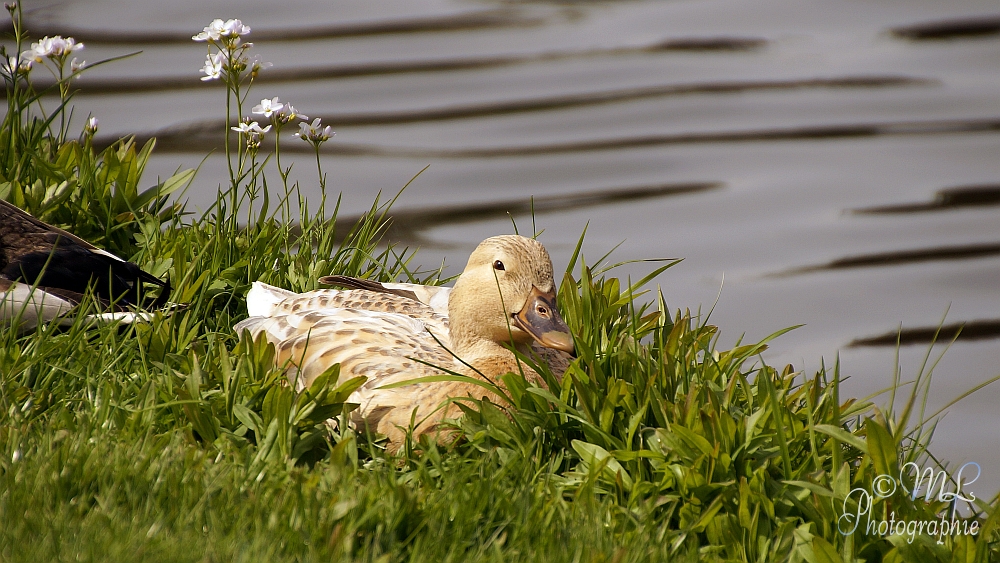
(406, 225)
(902, 257)
(950, 29)
(971, 330)
(194, 138)
(980, 195)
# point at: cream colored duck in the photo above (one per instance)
(391, 333)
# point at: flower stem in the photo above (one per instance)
(322, 180)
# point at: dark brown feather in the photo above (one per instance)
(358, 283)
(40, 254)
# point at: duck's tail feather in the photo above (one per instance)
(116, 317)
(262, 299)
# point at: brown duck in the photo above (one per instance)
(391, 333)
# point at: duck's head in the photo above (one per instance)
(507, 293)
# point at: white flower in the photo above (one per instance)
(314, 132)
(16, 64)
(251, 128)
(252, 132)
(91, 126)
(213, 66)
(234, 28)
(77, 66)
(255, 64)
(291, 113)
(51, 47)
(219, 29)
(212, 32)
(36, 53)
(268, 107)
(278, 112)
(69, 45)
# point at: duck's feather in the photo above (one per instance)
(36, 253)
(434, 296)
(385, 338)
(323, 327)
(26, 307)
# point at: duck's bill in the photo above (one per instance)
(540, 318)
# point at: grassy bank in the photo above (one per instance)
(176, 441)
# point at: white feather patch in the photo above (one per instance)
(262, 298)
(29, 307)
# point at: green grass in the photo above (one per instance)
(176, 441)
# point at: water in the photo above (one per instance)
(793, 149)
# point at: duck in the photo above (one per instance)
(47, 272)
(390, 333)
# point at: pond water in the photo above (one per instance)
(832, 163)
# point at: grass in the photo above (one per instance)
(177, 441)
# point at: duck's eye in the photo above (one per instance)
(498, 265)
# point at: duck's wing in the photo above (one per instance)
(40, 254)
(376, 345)
(265, 300)
(434, 296)
(384, 347)
(348, 326)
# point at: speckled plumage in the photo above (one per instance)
(391, 333)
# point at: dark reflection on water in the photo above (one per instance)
(406, 225)
(708, 44)
(901, 257)
(584, 99)
(196, 139)
(971, 330)
(950, 29)
(951, 198)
